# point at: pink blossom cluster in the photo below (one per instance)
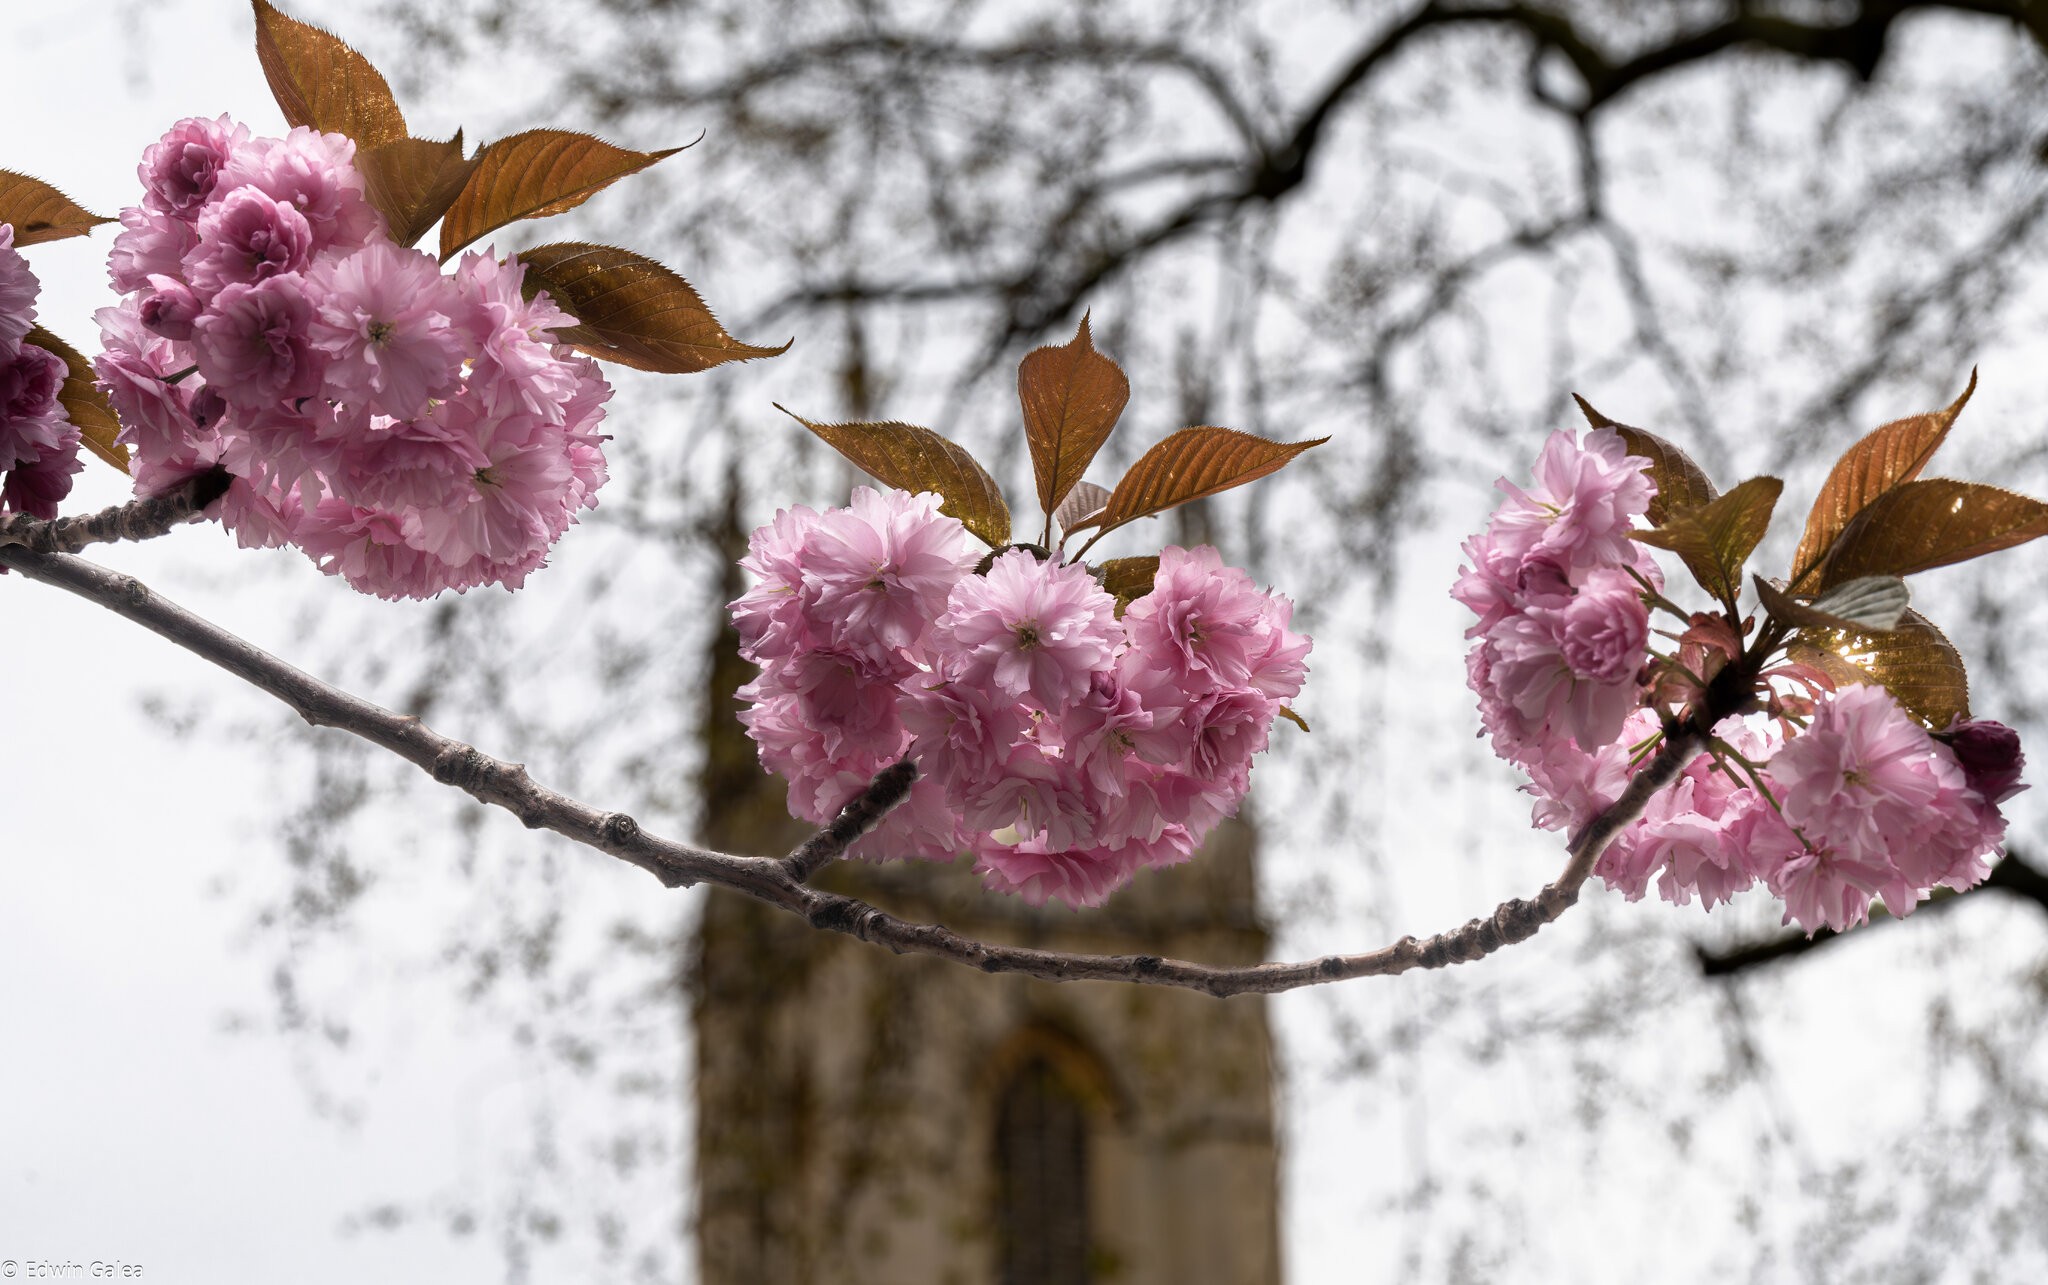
(1065, 748)
(1861, 803)
(38, 441)
(1562, 631)
(411, 431)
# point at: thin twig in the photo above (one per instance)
(136, 520)
(775, 881)
(889, 788)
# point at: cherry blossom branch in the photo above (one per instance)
(135, 520)
(781, 882)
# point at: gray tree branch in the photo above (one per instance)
(136, 520)
(782, 882)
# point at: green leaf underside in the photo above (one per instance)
(1885, 458)
(1128, 579)
(413, 181)
(1681, 483)
(1915, 662)
(321, 83)
(1191, 464)
(917, 459)
(1714, 539)
(38, 212)
(83, 402)
(533, 175)
(632, 310)
(1919, 525)
(1072, 396)
(1878, 607)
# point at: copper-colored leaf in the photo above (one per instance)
(1931, 523)
(39, 212)
(321, 83)
(1294, 718)
(1681, 483)
(1081, 507)
(1714, 539)
(413, 181)
(1072, 396)
(533, 175)
(84, 403)
(1128, 579)
(631, 310)
(1915, 662)
(1891, 455)
(1874, 604)
(1191, 464)
(917, 459)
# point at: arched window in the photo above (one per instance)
(1041, 1156)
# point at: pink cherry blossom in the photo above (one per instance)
(245, 237)
(253, 344)
(314, 173)
(170, 308)
(845, 700)
(512, 505)
(148, 245)
(180, 171)
(1040, 872)
(38, 442)
(368, 549)
(385, 317)
(1572, 786)
(422, 464)
(770, 616)
(156, 417)
(515, 355)
(1859, 772)
(31, 420)
(1201, 618)
(1030, 627)
(1540, 689)
(1582, 502)
(876, 574)
(1603, 629)
(18, 290)
(36, 487)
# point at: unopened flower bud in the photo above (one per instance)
(170, 308)
(207, 407)
(1990, 756)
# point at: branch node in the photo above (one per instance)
(836, 914)
(459, 766)
(618, 829)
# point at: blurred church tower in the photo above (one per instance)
(865, 1118)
